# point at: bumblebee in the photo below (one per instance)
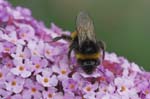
(88, 51)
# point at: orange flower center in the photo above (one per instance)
(34, 53)
(37, 66)
(1, 75)
(46, 80)
(146, 91)
(50, 95)
(21, 55)
(48, 52)
(23, 35)
(123, 88)
(88, 88)
(33, 90)
(13, 83)
(105, 90)
(13, 41)
(63, 71)
(21, 68)
(72, 86)
(7, 49)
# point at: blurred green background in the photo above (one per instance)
(122, 24)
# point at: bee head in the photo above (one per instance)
(89, 66)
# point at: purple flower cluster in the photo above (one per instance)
(31, 67)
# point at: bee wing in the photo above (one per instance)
(85, 28)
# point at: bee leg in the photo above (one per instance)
(63, 36)
(102, 45)
(69, 56)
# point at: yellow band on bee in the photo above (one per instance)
(88, 56)
(73, 34)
